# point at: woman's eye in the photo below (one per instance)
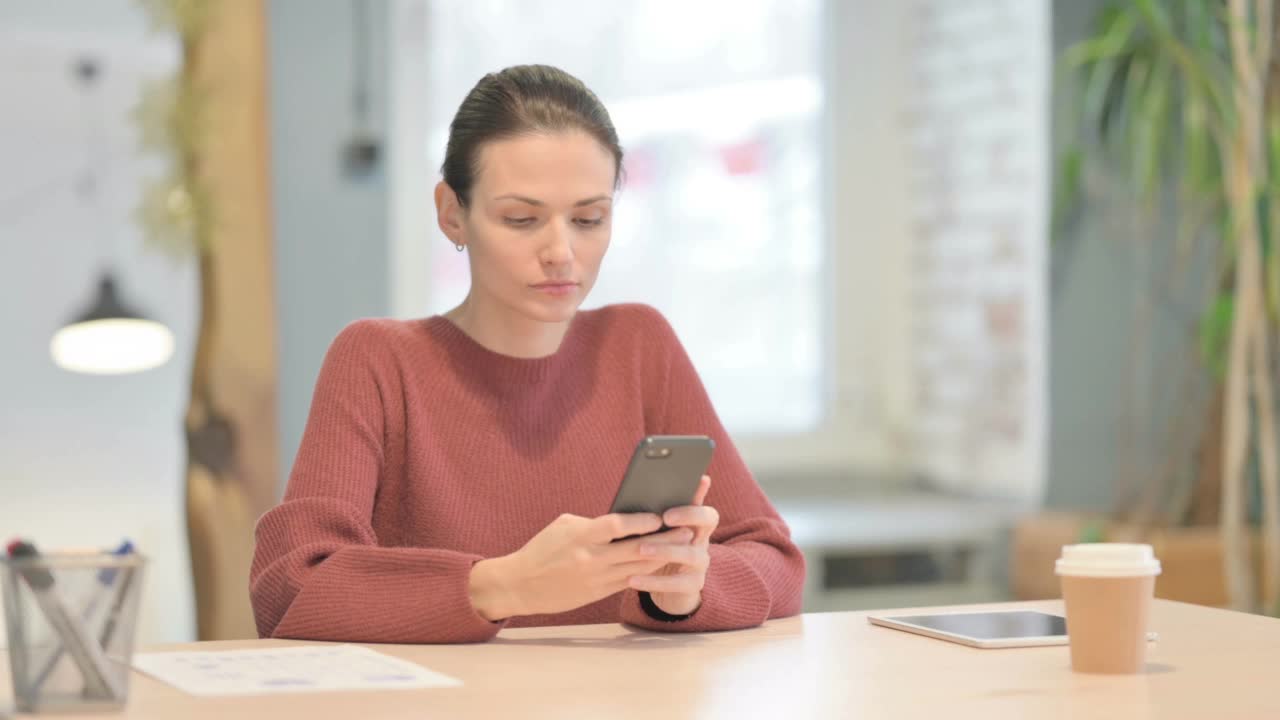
(588, 222)
(518, 222)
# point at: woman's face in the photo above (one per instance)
(538, 223)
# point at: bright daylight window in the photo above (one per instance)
(720, 223)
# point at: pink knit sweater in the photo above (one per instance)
(426, 452)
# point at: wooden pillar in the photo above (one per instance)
(231, 420)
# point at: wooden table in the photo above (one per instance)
(1207, 664)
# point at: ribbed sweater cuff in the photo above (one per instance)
(404, 595)
(733, 597)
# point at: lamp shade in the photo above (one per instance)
(109, 338)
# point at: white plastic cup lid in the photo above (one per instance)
(1107, 560)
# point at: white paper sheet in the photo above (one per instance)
(310, 668)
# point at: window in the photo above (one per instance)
(839, 206)
(723, 200)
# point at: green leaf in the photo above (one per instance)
(1273, 147)
(1226, 235)
(1140, 142)
(1115, 27)
(1094, 531)
(1067, 193)
(1112, 110)
(1205, 69)
(1215, 333)
(1155, 115)
(1097, 79)
(1273, 136)
(1197, 165)
(1264, 223)
(1272, 197)
(1202, 156)
(1156, 15)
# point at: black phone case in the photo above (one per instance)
(664, 473)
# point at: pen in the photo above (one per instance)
(84, 651)
(122, 594)
(106, 577)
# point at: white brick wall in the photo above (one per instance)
(975, 115)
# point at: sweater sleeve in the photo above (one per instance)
(318, 571)
(756, 572)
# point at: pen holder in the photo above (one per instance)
(71, 621)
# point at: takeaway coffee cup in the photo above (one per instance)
(1107, 588)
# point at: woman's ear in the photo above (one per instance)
(449, 213)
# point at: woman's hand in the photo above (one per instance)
(570, 563)
(676, 588)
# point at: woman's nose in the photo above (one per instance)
(558, 247)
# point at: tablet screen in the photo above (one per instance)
(993, 625)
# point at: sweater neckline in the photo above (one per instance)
(468, 349)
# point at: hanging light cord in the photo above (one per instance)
(360, 65)
(89, 179)
(88, 72)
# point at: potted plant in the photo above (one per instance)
(1181, 98)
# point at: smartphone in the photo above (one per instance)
(664, 473)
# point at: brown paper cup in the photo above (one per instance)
(1107, 589)
(1107, 622)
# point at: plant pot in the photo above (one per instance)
(1191, 558)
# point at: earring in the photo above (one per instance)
(460, 247)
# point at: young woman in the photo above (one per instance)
(455, 471)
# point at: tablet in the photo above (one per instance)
(1004, 629)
